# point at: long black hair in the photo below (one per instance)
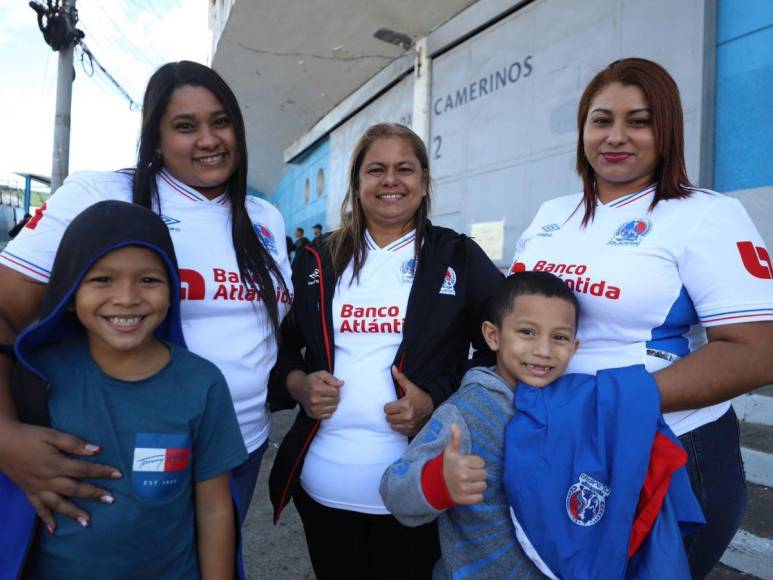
(255, 262)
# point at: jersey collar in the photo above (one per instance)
(631, 198)
(395, 246)
(166, 181)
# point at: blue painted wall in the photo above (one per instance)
(743, 155)
(289, 195)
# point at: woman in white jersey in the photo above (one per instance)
(192, 169)
(669, 276)
(386, 308)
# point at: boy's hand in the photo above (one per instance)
(465, 475)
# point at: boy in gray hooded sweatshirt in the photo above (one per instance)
(452, 469)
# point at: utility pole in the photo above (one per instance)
(57, 20)
(64, 79)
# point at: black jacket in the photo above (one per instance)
(434, 351)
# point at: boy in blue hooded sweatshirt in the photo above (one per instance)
(453, 469)
(110, 350)
(519, 463)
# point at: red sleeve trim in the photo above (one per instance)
(434, 485)
(665, 458)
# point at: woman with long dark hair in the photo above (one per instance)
(666, 274)
(192, 170)
(386, 309)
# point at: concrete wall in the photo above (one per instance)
(497, 154)
(744, 95)
(302, 194)
(743, 158)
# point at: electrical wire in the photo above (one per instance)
(86, 53)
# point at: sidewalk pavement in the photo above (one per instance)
(274, 552)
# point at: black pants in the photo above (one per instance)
(352, 545)
(716, 473)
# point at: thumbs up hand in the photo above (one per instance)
(464, 475)
(409, 413)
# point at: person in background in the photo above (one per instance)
(192, 170)
(14, 231)
(290, 246)
(316, 229)
(301, 241)
(667, 275)
(386, 310)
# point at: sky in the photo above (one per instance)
(130, 38)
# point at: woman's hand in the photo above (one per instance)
(34, 458)
(409, 413)
(317, 392)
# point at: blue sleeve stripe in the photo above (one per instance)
(485, 454)
(485, 537)
(749, 313)
(483, 562)
(26, 264)
(486, 525)
(492, 437)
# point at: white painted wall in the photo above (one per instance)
(393, 106)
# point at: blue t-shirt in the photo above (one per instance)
(164, 433)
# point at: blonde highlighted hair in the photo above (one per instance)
(348, 242)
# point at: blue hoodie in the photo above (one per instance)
(102, 228)
(596, 480)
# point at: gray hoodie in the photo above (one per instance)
(477, 541)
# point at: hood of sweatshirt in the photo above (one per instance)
(487, 377)
(101, 228)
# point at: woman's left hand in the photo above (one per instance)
(409, 413)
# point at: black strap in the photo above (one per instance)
(7, 350)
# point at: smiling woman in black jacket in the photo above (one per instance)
(386, 308)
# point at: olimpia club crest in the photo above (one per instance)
(266, 237)
(631, 232)
(586, 500)
(408, 270)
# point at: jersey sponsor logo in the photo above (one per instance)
(32, 223)
(170, 222)
(586, 501)
(266, 237)
(160, 464)
(228, 286)
(192, 285)
(449, 283)
(547, 231)
(314, 277)
(756, 260)
(371, 319)
(574, 276)
(408, 270)
(631, 232)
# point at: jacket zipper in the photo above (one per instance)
(315, 428)
(400, 389)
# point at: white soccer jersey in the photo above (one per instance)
(221, 321)
(649, 281)
(354, 447)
